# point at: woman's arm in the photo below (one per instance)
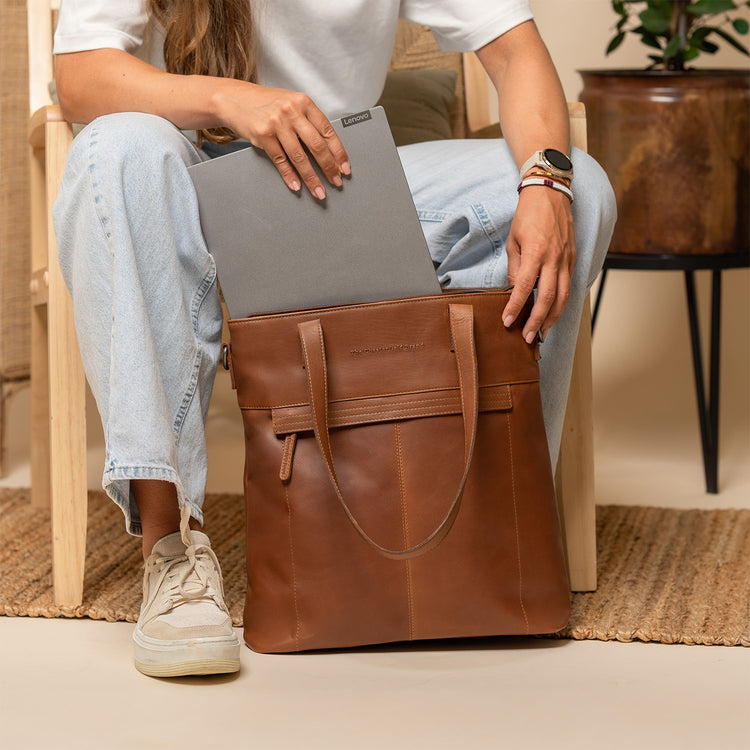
(533, 116)
(103, 81)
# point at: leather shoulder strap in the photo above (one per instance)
(462, 333)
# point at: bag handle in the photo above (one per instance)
(462, 333)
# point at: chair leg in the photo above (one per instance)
(39, 449)
(39, 444)
(67, 406)
(574, 479)
(3, 431)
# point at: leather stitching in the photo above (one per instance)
(464, 296)
(483, 386)
(287, 455)
(405, 522)
(324, 444)
(301, 426)
(284, 423)
(515, 523)
(319, 331)
(294, 571)
(462, 392)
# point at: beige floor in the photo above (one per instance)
(70, 684)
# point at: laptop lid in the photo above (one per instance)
(279, 250)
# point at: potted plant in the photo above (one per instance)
(674, 139)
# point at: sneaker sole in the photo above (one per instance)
(196, 656)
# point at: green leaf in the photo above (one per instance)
(647, 37)
(741, 26)
(702, 32)
(706, 46)
(732, 41)
(615, 43)
(673, 47)
(665, 6)
(655, 60)
(711, 7)
(655, 21)
(619, 8)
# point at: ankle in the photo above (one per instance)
(158, 509)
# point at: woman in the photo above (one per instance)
(143, 284)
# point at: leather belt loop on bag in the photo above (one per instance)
(462, 336)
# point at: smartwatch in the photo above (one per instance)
(551, 160)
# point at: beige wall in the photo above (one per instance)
(644, 402)
(577, 33)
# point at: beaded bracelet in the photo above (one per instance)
(529, 181)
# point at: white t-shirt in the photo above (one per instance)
(337, 52)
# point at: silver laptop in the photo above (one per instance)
(279, 250)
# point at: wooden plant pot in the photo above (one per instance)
(676, 147)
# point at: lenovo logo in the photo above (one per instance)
(356, 119)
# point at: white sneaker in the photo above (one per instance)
(184, 626)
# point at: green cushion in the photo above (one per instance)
(417, 104)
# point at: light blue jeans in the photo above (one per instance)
(147, 308)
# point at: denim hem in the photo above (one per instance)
(116, 483)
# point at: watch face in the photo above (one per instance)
(558, 160)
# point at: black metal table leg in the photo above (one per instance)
(598, 299)
(712, 482)
(708, 414)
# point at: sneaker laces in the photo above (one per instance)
(179, 582)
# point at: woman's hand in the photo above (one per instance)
(102, 81)
(282, 123)
(541, 246)
(533, 116)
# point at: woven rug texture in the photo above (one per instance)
(664, 575)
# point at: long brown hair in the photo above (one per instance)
(208, 37)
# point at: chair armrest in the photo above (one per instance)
(39, 121)
(490, 131)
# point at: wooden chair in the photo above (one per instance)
(58, 384)
(58, 452)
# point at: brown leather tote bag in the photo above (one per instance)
(397, 478)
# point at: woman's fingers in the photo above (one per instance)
(295, 134)
(541, 255)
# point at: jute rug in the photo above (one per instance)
(671, 576)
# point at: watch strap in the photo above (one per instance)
(538, 160)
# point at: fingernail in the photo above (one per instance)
(508, 321)
(296, 186)
(346, 168)
(320, 194)
(529, 337)
(337, 181)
